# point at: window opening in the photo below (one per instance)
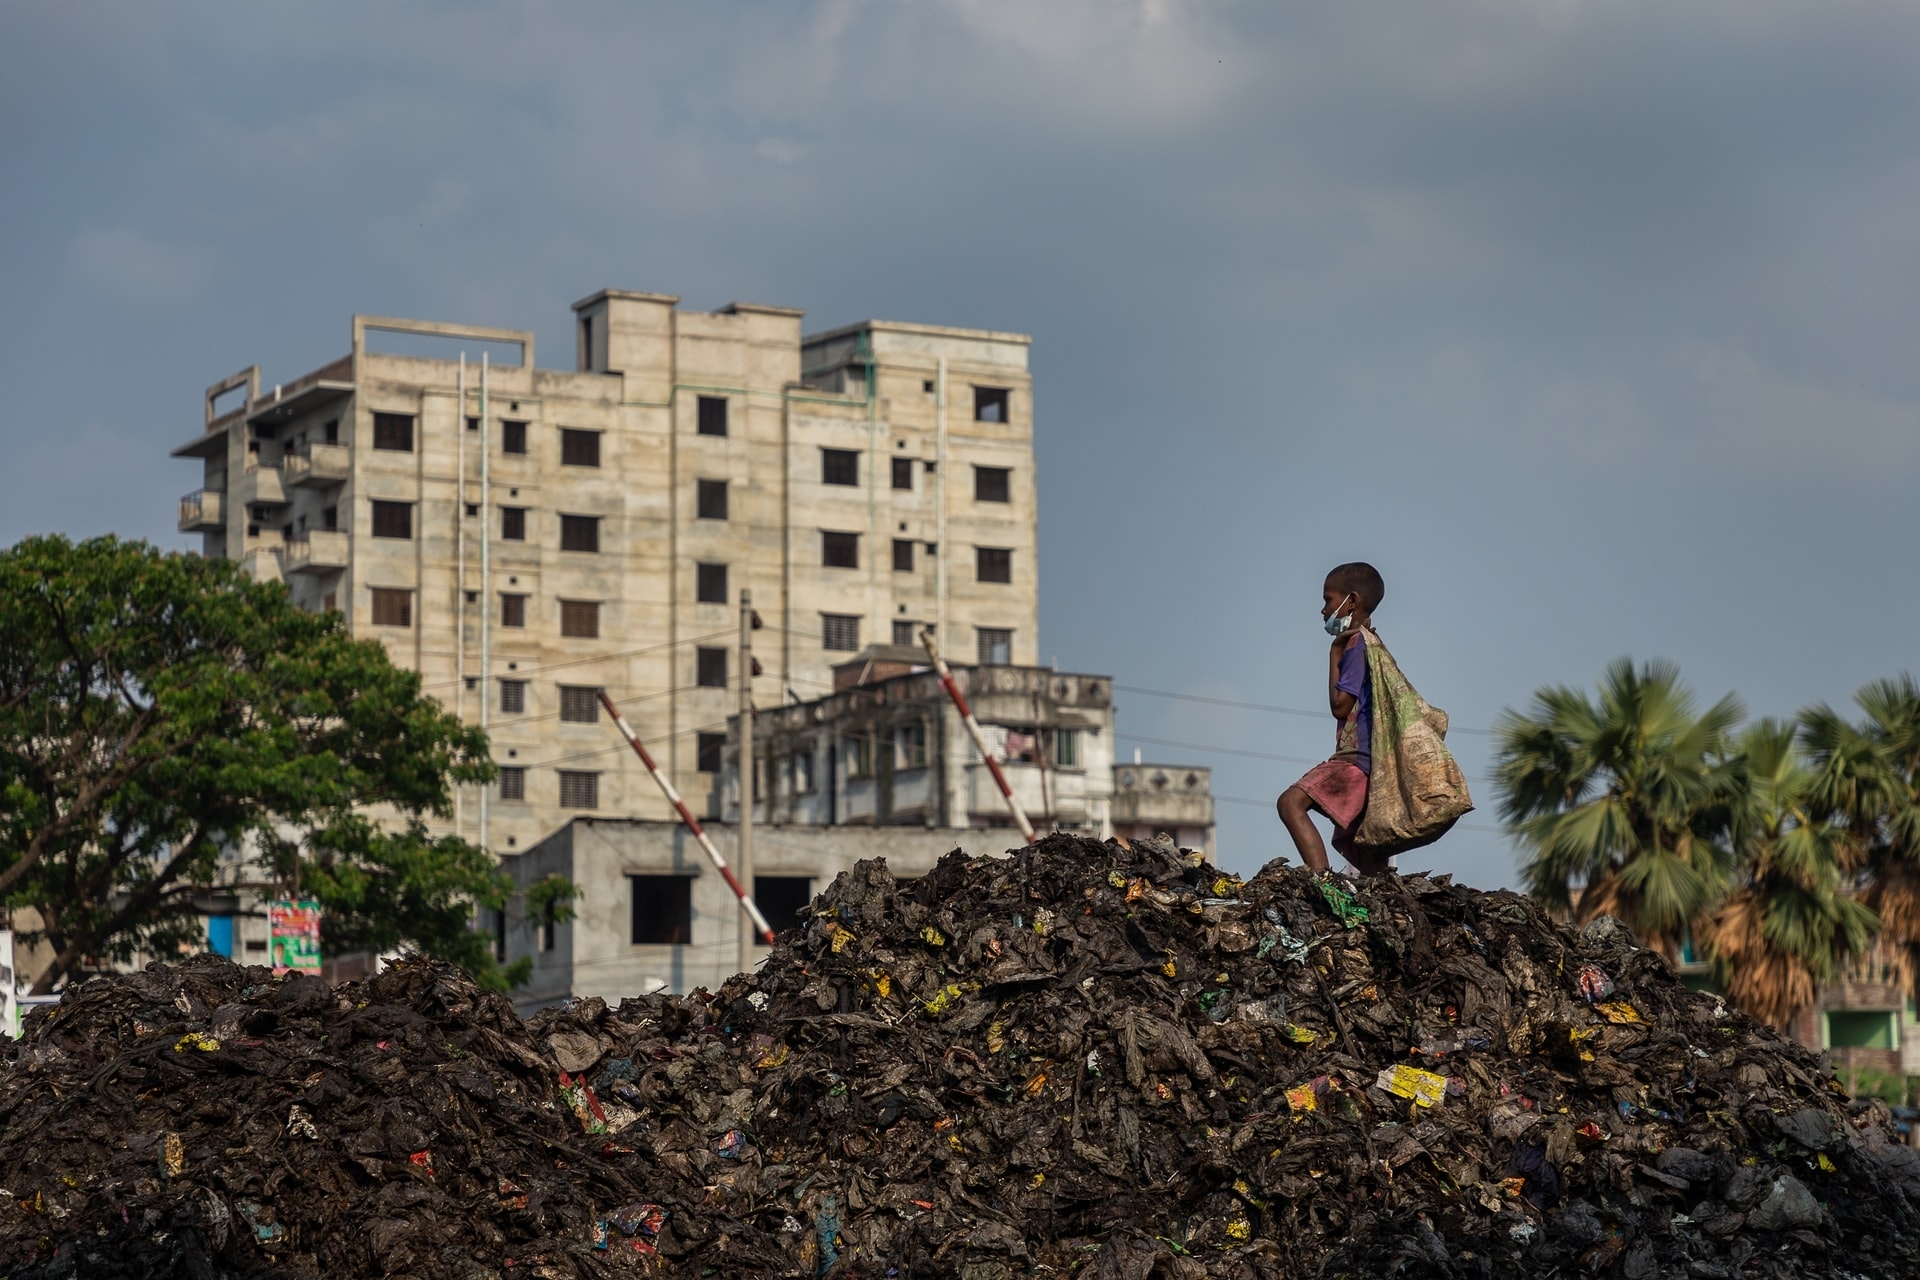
(513, 610)
(513, 782)
(662, 910)
(513, 524)
(710, 668)
(713, 500)
(513, 697)
(903, 555)
(993, 564)
(393, 432)
(990, 404)
(710, 583)
(995, 646)
(713, 416)
(782, 899)
(392, 608)
(580, 533)
(392, 519)
(839, 466)
(840, 632)
(707, 751)
(839, 550)
(992, 484)
(579, 790)
(580, 619)
(579, 448)
(579, 704)
(903, 473)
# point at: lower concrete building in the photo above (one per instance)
(653, 913)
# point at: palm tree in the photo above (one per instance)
(1868, 776)
(1626, 797)
(1792, 916)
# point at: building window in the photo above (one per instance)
(586, 356)
(713, 416)
(992, 484)
(580, 619)
(513, 437)
(906, 631)
(392, 608)
(910, 745)
(839, 550)
(579, 704)
(903, 473)
(903, 555)
(579, 448)
(995, 646)
(548, 928)
(782, 899)
(839, 466)
(513, 610)
(513, 782)
(1066, 748)
(500, 934)
(713, 500)
(513, 697)
(580, 533)
(710, 583)
(990, 404)
(1861, 1029)
(662, 910)
(392, 519)
(710, 668)
(393, 431)
(840, 632)
(707, 751)
(857, 751)
(332, 431)
(993, 564)
(579, 789)
(513, 524)
(800, 771)
(330, 518)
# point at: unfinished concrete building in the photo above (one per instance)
(593, 528)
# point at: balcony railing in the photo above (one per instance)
(317, 465)
(202, 511)
(321, 551)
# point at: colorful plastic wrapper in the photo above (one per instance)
(1424, 1087)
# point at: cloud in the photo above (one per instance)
(134, 266)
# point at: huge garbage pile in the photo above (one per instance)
(1082, 1057)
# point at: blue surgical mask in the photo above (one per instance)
(1337, 625)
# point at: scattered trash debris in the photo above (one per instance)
(1076, 1056)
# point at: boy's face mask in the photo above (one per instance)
(1338, 625)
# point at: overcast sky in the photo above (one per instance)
(1596, 326)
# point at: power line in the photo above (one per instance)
(1237, 751)
(1259, 706)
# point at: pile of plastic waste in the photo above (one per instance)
(1077, 1056)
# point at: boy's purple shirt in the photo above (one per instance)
(1353, 680)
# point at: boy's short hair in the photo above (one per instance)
(1362, 579)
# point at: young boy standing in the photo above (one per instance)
(1338, 788)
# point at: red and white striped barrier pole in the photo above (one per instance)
(686, 816)
(979, 738)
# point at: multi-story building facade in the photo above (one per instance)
(586, 529)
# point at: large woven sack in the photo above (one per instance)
(1416, 791)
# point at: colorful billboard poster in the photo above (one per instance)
(294, 932)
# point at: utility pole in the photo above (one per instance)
(744, 854)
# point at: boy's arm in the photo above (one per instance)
(1339, 701)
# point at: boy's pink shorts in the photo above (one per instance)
(1338, 789)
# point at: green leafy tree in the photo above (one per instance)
(1792, 916)
(1868, 778)
(161, 715)
(1625, 797)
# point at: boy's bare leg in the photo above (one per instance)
(1293, 806)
